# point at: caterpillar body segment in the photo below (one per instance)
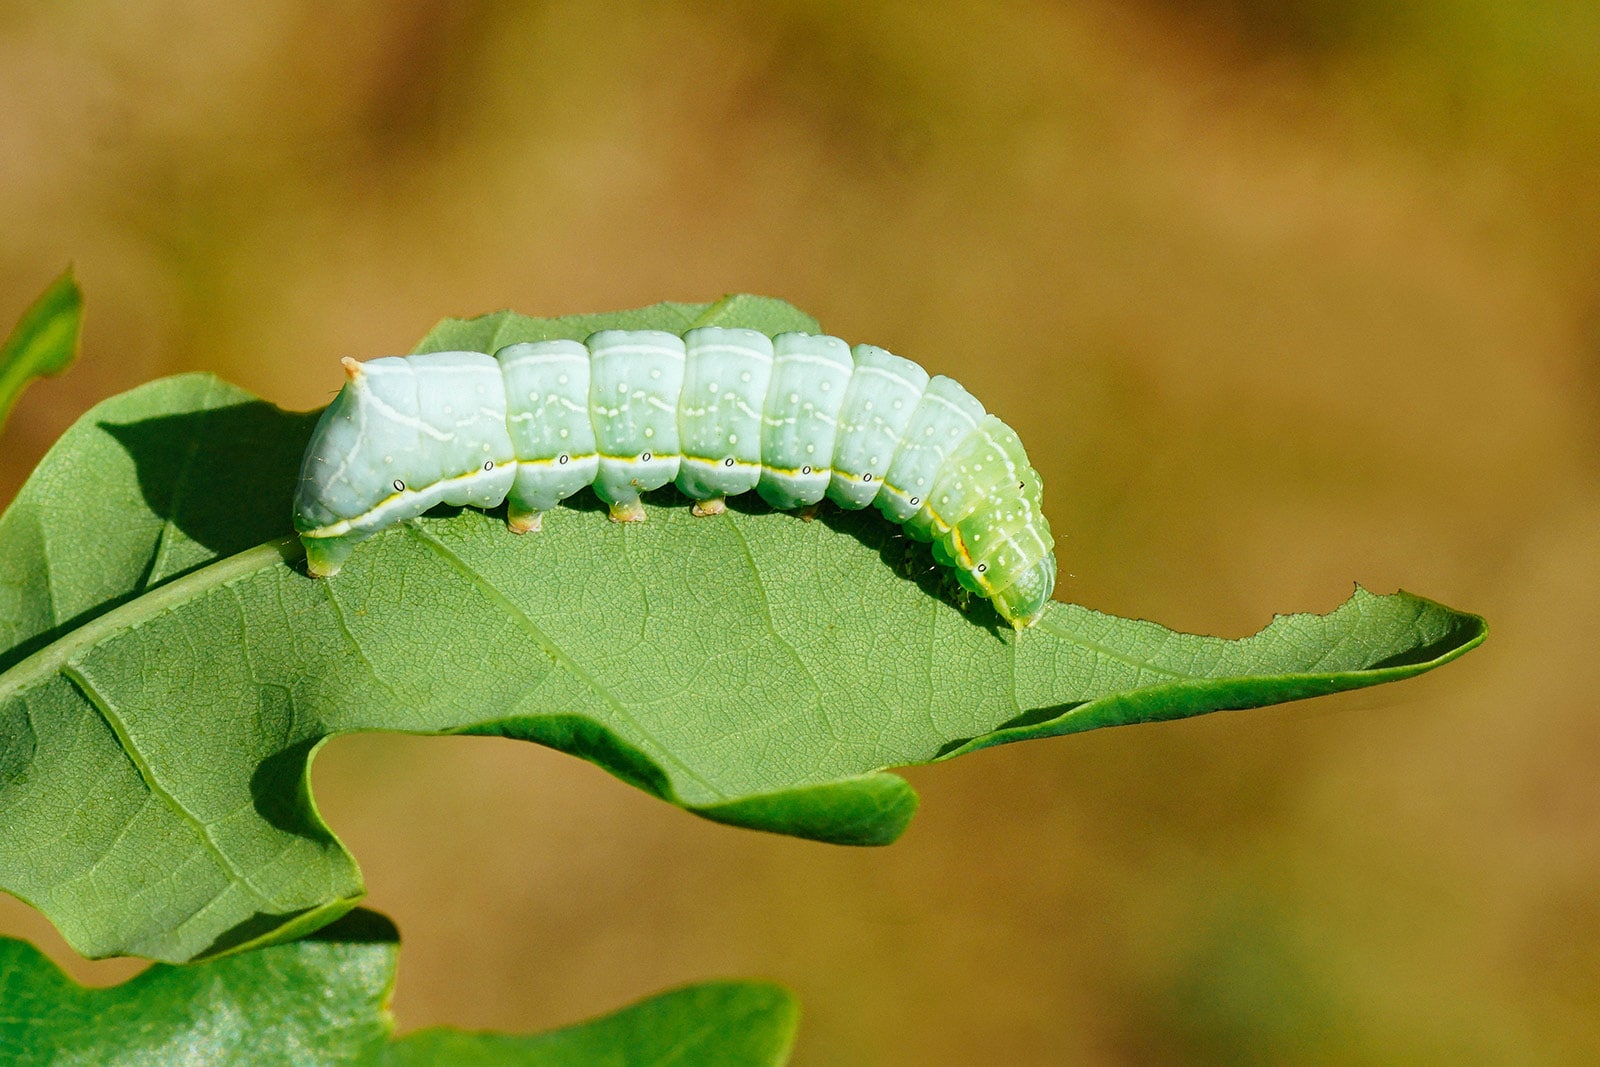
(547, 403)
(884, 393)
(635, 379)
(945, 416)
(717, 411)
(810, 377)
(720, 413)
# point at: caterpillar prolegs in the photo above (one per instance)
(719, 411)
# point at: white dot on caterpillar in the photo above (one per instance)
(649, 431)
(562, 379)
(655, 373)
(827, 387)
(711, 388)
(810, 449)
(565, 431)
(622, 387)
(745, 377)
(794, 398)
(898, 404)
(733, 438)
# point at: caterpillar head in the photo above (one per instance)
(1023, 602)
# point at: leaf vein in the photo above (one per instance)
(557, 654)
(766, 614)
(108, 712)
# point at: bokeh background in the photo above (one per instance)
(1282, 294)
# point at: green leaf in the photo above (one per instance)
(485, 333)
(324, 1000)
(169, 670)
(44, 341)
(716, 1024)
(318, 1001)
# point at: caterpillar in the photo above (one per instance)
(718, 411)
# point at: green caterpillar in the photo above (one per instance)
(719, 411)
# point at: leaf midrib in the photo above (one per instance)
(49, 660)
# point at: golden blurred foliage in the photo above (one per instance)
(1279, 295)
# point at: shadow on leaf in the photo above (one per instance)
(223, 477)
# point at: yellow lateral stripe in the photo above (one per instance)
(344, 526)
(797, 472)
(393, 500)
(723, 464)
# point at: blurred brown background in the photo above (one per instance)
(1279, 295)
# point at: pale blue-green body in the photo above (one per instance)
(635, 378)
(718, 411)
(945, 415)
(810, 377)
(552, 433)
(883, 394)
(430, 430)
